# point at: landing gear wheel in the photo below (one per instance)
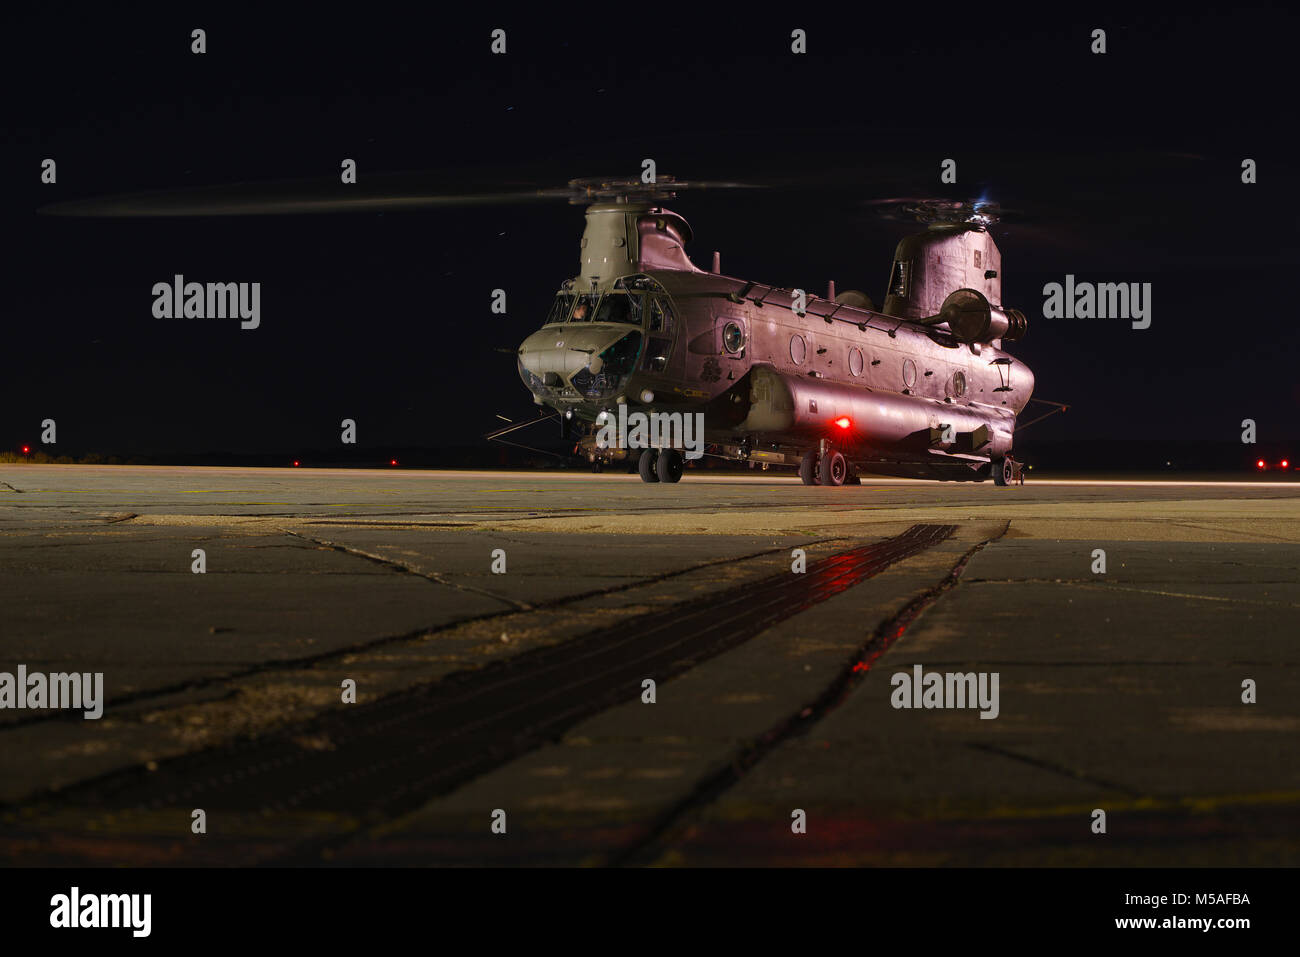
(646, 466)
(1004, 471)
(670, 465)
(808, 469)
(834, 469)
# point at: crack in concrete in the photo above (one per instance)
(1113, 586)
(1051, 766)
(406, 569)
(1220, 528)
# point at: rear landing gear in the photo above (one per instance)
(829, 468)
(808, 469)
(1006, 471)
(833, 468)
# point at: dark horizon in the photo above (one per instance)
(1123, 167)
(1108, 456)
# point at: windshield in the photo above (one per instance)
(620, 307)
(585, 308)
(560, 308)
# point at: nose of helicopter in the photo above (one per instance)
(590, 362)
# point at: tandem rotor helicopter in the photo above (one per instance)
(920, 387)
(830, 384)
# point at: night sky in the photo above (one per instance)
(1123, 167)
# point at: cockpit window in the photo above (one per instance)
(612, 307)
(560, 308)
(620, 358)
(586, 307)
(661, 316)
(659, 344)
(620, 307)
(612, 368)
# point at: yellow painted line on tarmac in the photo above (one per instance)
(1199, 805)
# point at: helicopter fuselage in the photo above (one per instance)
(775, 373)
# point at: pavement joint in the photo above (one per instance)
(1055, 768)
(401, 568)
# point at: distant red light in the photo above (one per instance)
(295, 463)
(844, 422)
(1286, 464)
(26, 449)
(1260, 463)
(392, 461)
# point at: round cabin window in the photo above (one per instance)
(958, 384)
(909, 373)
(855, 361)
(798, 349)
(733, 337)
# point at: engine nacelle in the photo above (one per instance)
(972, 318)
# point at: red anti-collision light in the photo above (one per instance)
(26, 449)
(1259, 464)
(1286, 464)
(844, 422)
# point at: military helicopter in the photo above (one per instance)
(829, 384)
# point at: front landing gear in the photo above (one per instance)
(647, 466)
(670, 465)
(660, 465)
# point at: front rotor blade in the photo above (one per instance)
(388, 192)
(292, 198)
